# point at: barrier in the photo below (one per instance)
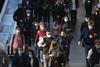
(2, 13)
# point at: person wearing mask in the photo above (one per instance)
(88, 36)
(73, 5)
(40, 33)
(85, 23)
(96, 18)
(58, 10)
(66, 23)
(94, 54)
(27, 28)
(65, 41)
(19, 16)
(88, 6)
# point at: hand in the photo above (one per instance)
(79, 43)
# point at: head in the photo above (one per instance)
(36, 24)
(18, 30)
(27, 2)
(97, 11)
(48, 34)
(53, 44)
(42, 27)
(65, 19)
(20, 5)
(28, 13)
(91, 24)
(86, 19)
(63, 33)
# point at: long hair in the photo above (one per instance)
(52, 45)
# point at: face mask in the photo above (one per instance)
(86, 19)
(42, 28)
(17, 31)
(36, 24)
(48, 36)
(90, 27)
(65, 19)
(28, 14)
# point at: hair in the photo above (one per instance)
(18, 28)
(91, 23)
(52, 45)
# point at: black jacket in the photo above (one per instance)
(96, 19)
(19, 15)
(85, 36)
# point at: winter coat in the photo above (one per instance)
(85, 36)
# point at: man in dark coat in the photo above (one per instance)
(88, 36)
(19, 16)
(58, 10)
(96, 18)
(73, 5)
(27, 29)
(88, 6)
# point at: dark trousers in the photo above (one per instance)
(66, 52)
(73, 14)
(88, 9)
(27, 35)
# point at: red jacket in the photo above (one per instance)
(40, 33)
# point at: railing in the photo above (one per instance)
(2, 13)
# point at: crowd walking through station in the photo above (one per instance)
(45, 30)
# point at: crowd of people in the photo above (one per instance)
(45, 29)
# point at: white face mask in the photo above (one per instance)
(86, 19)
(90, 27)
(48, 36)
(66, 19)
(42, 28)
(28, 14)
(36, 24)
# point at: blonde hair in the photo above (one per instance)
(52, 45)
(41, 23)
